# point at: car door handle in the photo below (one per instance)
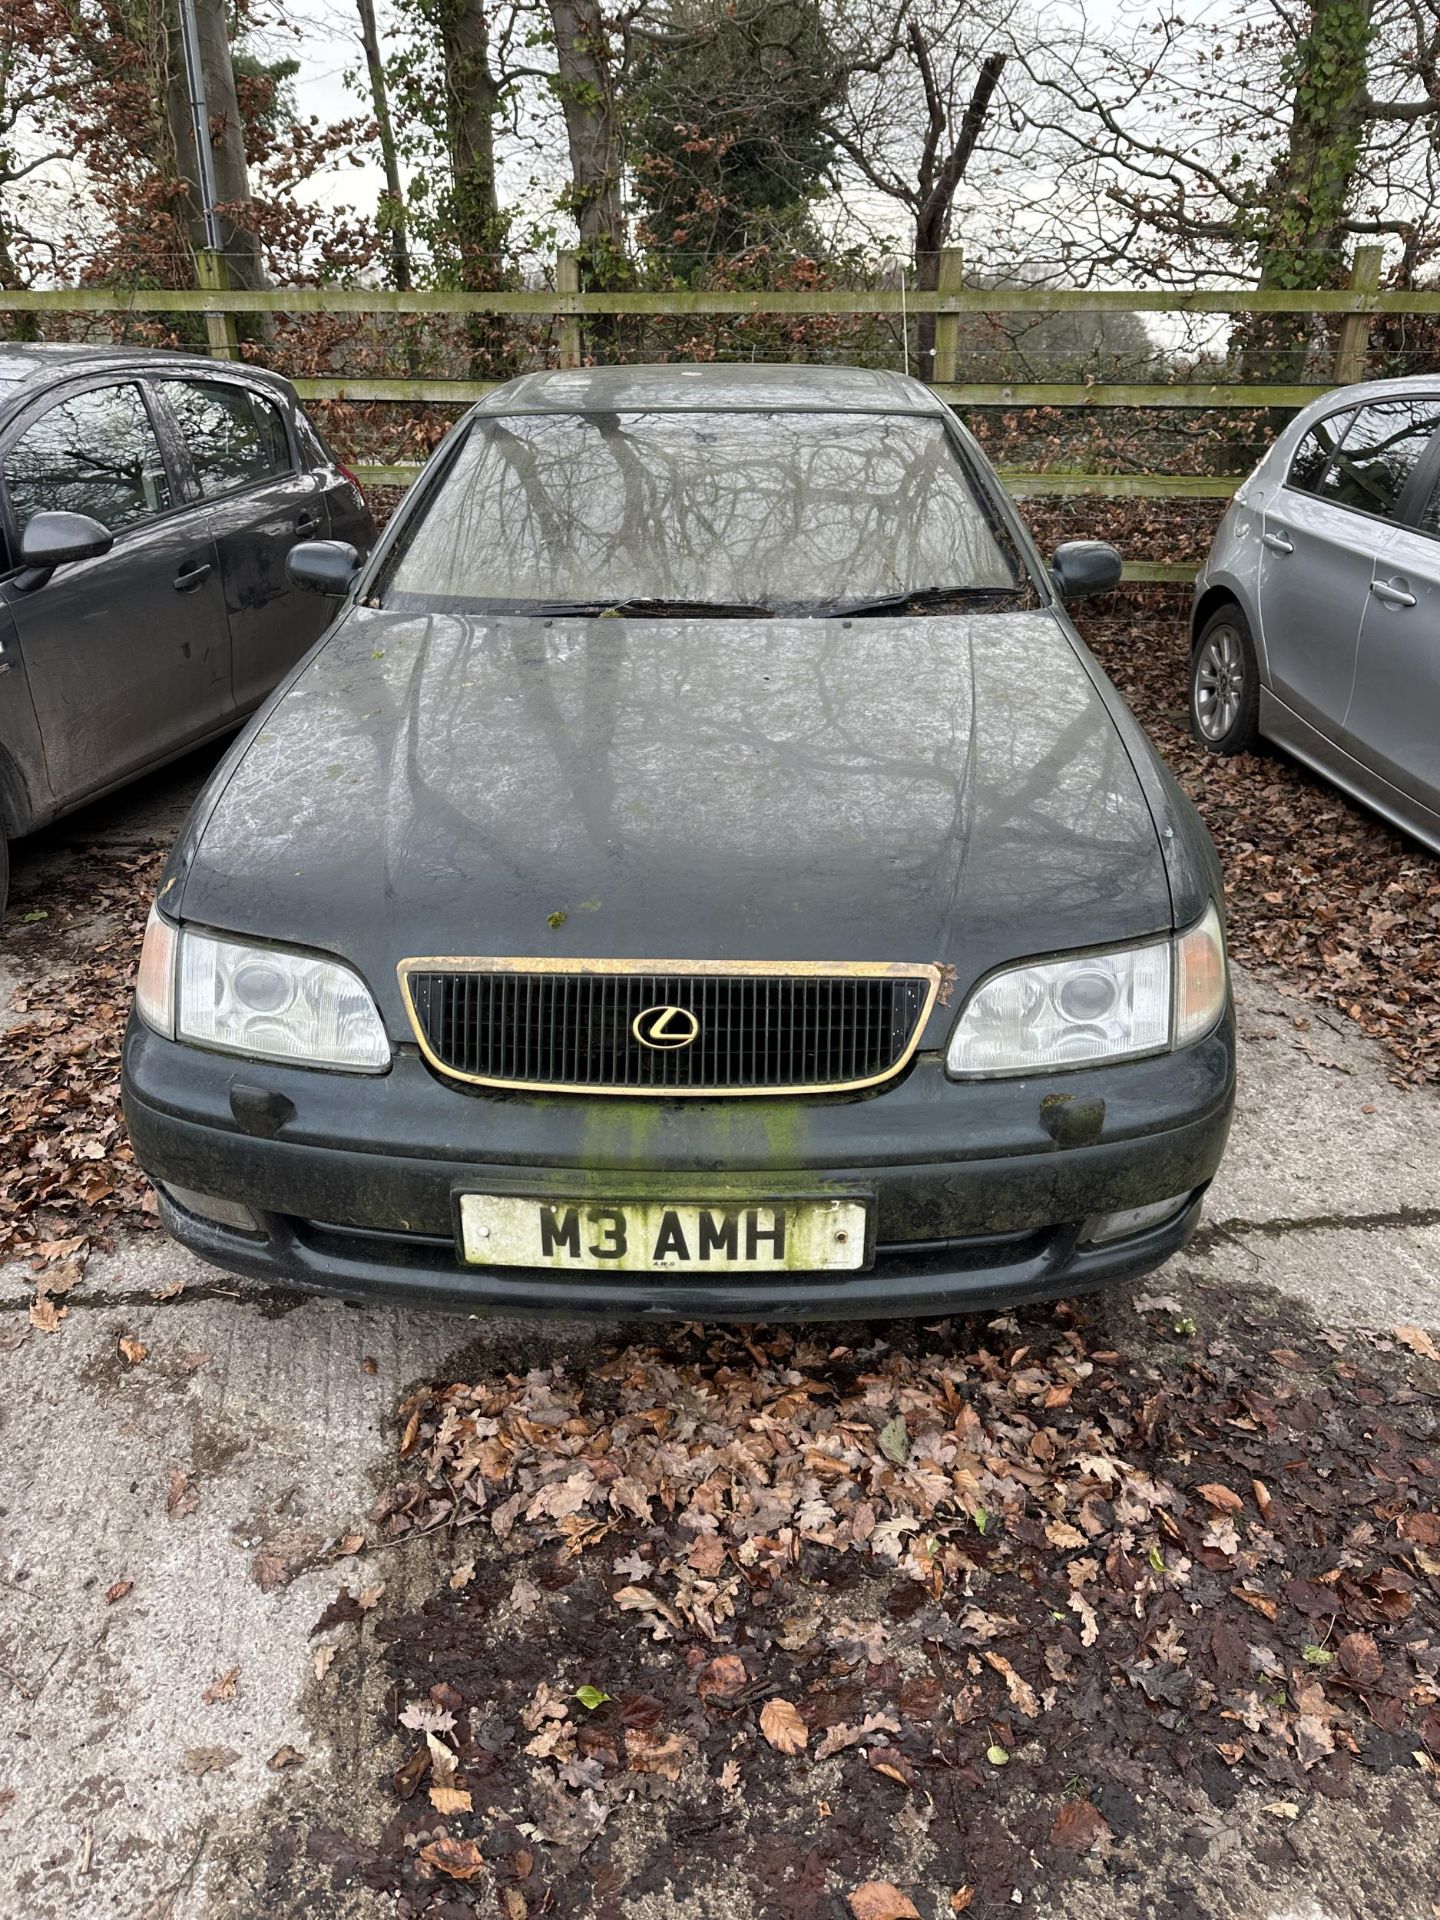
(1278, 543)
(1392, 596)
(306, 522)
(191, 578)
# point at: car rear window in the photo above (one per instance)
(781, 509)
(234, 437)
(1379, 453)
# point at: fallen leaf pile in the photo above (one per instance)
(66, 1170)
(1091, 1593)
(1315, 883)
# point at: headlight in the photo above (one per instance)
(1094, 1006)
(268, 1002)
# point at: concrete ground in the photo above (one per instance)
(254, 1421)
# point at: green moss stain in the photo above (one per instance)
(734, 1149)
(623, 1135)
(786, 1132)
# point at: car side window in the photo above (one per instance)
(1312, 456)
(272, 432)
(94, 453)
(234, 437)
(1379, 454)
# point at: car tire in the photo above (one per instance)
(1225, 684)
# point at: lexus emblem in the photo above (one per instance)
(664, 1029)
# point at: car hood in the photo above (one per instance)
(947, 789)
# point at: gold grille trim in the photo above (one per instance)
(426, 979)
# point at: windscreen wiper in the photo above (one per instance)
(656, 609)
(922, 599)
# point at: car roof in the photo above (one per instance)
(1340, 399)
(26, 364)
(740, 387)
(1418, 383)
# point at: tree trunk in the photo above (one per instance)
(238, 240)
(472, 100)
(937, 183)
(932, 229)
(586, 86)
(1298, 229)
(393, 209)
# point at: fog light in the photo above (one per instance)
(208, 1206)
(1101, 1227)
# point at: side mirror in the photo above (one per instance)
(323, 566)
(1082, 567)
(53, 540)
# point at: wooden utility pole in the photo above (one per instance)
(204, 113)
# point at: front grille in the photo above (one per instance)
(756, 1031)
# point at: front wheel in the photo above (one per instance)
(1225, 684)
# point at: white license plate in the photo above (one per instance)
(661, 1236)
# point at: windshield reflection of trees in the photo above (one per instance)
(781, 509)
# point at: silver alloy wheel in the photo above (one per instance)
(1219, 682)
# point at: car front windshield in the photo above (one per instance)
(778, 511)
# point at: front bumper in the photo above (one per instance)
(980, 1190)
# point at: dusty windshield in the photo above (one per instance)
(781, 512)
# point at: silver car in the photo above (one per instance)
(1317, 615)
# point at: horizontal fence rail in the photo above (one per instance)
(676, 302)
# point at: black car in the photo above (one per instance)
(148, 502)
(702, 873)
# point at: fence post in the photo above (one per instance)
(1354, 343)
(214, 277)
(567, 280)
(949, 278)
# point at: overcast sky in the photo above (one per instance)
(324, 36)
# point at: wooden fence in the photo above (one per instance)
(1355, 305)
